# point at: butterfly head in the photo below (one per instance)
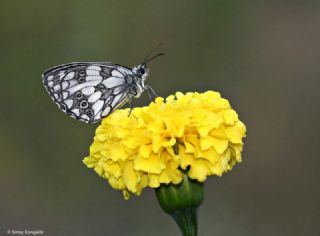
(142, 71)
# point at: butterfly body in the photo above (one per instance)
(92, 90)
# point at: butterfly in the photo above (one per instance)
(90, 91)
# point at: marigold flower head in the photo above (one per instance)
(198, 133)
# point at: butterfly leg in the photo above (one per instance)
(129, 101)
(151, 92)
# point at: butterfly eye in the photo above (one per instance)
(142, 70)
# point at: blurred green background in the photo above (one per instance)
(264, 56)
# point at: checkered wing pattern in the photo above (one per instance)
(89, 91)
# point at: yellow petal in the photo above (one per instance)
(235, 134)
(206, 143)
(145, 150)
(211, 155)
(230, 117)
(220, 145)
(113, 168)
(117, 152)
(199, 170)
(130, 177)
(152, 164)
(153, 181)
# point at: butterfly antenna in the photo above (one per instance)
(148, 55)
(157, 55)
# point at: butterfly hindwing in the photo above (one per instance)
(88, 91)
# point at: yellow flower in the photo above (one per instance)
(198, 133)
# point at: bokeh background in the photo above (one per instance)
(264, 56)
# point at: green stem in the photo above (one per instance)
(181, 202)
(186, 219)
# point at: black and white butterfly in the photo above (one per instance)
(89, 91)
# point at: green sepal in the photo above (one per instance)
(181, 201)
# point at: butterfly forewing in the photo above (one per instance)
(88, 91)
